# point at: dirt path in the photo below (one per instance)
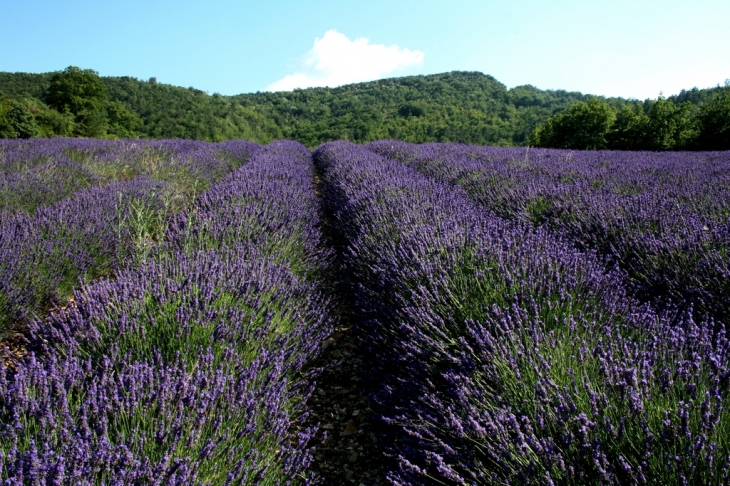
(345, 444)
(346, 455)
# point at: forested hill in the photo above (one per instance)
(466, 107)
(458, 106)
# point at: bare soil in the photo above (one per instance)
(345, 452)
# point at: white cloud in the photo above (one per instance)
(336, 60)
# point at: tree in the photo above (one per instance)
(76, 90)
(52, 123)
(584, 127)
(630, 131)
(29, 117)
(16, 119)
(122, 122)
(411, 109)
(6, 129)
(713, 121)
(22, 121)
(669, 125)
(82, 93)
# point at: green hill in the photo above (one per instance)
(468, 107)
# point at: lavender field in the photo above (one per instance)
(523, 316)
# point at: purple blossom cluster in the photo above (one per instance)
(43, 255)
(663, 218)
(84, 207)
(499, 353)
(42, 171)
(230, 211)
(191, 367)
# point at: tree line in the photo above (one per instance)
(655, 125)
(75, 102)
(466, 107)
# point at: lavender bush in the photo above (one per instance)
(87, 236)
(42, 171)
(230, 212)
(99, 229)
(663, 218)
(503, 355)
(191, 367)
(526, 317)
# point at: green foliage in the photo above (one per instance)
(585, 126)
(654, 125)
(19, 85)
(668, 125)
(459, 106)
(51, 122)
(698, 96)
(82, 93)
(76, 91)
(466, 107)
(22, 122)
(18, 117)
(165, 111)
(122, 122)
(630, 130)
(714, 124)
(6, 127)
(411, 109)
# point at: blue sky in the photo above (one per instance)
(630, 48)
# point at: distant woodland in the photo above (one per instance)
(467, 107)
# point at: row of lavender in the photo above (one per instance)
(663, 218)
(503, 355)
(98, 229)
(189, 368)
(43, 171)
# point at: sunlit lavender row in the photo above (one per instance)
(40, 172)
(190, 367)
(501, 354)
(663, 218)
(99, 229)
(87, 236)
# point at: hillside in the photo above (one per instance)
(468, 107)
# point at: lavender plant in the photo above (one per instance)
(504, 355)
(191, 368)
(42, 256)
(43, 171)
(503, 347)
(41, 185)
(663, 218)
(230, 212)
(101, 228)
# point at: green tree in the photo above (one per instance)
(458, 106)
(27, 116)
(630, 131)
(713, 121)
(22, 121)
(76, 90)
(52, 123)
(584, 127)
(6, 128)
(82, 93)
(122, 122)
(16, 118)
(670, 127)
(411, 109)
